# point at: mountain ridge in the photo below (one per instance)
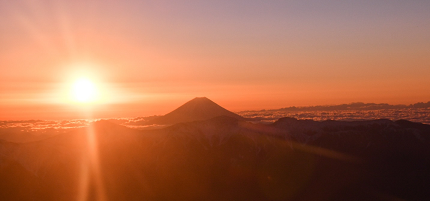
(228, 159)
(349, 106)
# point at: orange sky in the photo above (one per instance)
(149, 57)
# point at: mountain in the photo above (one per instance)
(197, 109)
(224, 158)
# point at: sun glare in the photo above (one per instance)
(84, 91)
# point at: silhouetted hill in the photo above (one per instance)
(224, 158)
(197, 109)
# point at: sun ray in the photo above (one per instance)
(91, 169)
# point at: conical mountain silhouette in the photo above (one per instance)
(197, 109)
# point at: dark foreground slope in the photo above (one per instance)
(224, 159)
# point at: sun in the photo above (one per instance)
(84, 91)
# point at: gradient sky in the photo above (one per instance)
(149, 57)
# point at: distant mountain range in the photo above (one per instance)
(354, 106)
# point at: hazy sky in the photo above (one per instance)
(148, 57)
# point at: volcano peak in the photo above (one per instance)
(197, 109)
